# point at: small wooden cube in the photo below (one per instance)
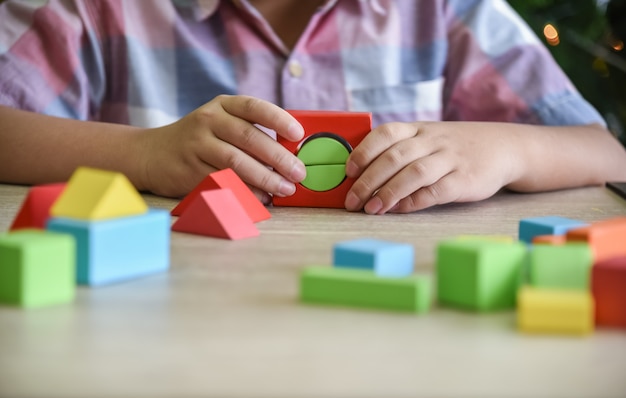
(547, 225)
(608, 285)
(383, 257)
(37, 268)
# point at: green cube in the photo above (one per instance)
(479, 274)
(565, 266)
(37, 268)
(363, 288)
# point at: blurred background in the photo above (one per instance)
(587, 38)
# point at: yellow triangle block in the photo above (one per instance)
(93, 194)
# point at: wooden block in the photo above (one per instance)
(93, 194)
(549, 239)
(227, 178)
(329, 138)
(118, 249)
(37, 268)
(362, 288)
(608, 285)
(479, 275)
(216, 213)
(566, 266)
(607, 238)
(548, 225)
(553, 311)
(35, 209)
(383, 257)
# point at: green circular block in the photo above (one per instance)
(325, 160)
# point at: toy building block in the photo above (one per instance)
(549, 240)
(608, 286)
(479, 275)
(383, 257)
(37, 268)
(566, 266)
(329, 138)
(93, 194)
(227, 178)
(606, 238)
(118, 249)
(548, 225)
(553, 311)
(216, 213)
(362, 288)
(35, 209)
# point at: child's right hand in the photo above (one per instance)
(222, 134)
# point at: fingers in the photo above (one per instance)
(445, 190)
(257, 111)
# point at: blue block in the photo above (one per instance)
(384, 258)
(118, 249)
(549, 225)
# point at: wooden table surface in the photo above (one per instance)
(225, 320)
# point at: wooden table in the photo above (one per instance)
(225, 320)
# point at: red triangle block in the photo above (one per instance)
(216, 213)
(35, 209)
(227, 178)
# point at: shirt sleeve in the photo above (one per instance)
(498, 70)
(46, 53)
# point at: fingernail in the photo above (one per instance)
(266, 199)
(298, 172)
(295, 130)
(286, 188)
(352, 201)
(352, 169)
(374, 205)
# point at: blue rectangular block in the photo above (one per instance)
(118, 249)
(383, 257)
(548, 225)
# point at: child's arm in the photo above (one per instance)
(411, 166)
(169, 160)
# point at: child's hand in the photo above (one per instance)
(404, 167)
(218, 135)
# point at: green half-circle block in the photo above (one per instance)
(324, 177)
(323, 150)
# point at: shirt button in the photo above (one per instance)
(295, 69)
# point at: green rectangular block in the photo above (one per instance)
(479, 274)
(363, 288)
(565, 266)
(37, 268)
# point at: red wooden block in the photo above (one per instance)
(608, 286)
(549, 239)
(35, 209)
(607, 238)
(216, 213)
(227, 178)
(351, 127)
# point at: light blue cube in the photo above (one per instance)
(118, 249)
(385, 258)
(548, 225)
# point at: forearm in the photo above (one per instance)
(36, 149)
(548, 158)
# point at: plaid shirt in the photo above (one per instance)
(148, 63)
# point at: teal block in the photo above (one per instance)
(548, 225)
(361, 288)
(383, 257)
(479, 275)
(37, 268)
(118, 249)
(565, 266)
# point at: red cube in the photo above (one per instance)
(608, 285)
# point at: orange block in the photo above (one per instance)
(227, 178)
(607, 238)
(549, 240)
(608, 286)
(35, 209)
(216, 213)
(350, 127)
